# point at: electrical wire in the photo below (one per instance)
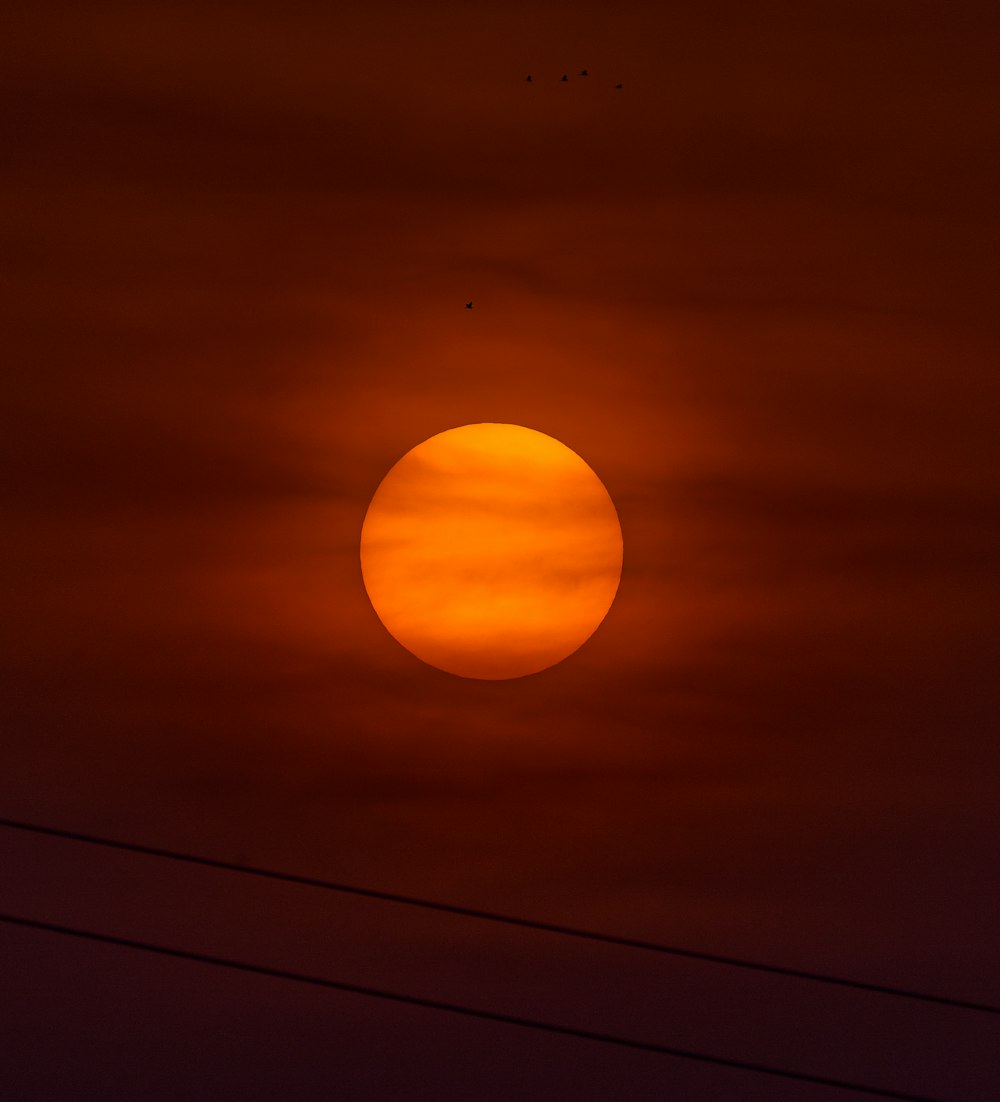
(494, 916)
(460, 1009)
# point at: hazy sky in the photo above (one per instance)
(755, 289)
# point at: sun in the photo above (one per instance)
(491, 551)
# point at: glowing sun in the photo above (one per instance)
(491, 551)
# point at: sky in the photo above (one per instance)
(754, 289)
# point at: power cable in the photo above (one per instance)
(527, 924)
(458, 1008)
(494, 916)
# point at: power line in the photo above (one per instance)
(494, 916)
(465, 1011)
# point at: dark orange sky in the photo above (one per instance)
(754, 289)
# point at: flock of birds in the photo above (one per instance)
(564, 79)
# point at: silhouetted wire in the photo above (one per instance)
(458, 1008)
(493, 916)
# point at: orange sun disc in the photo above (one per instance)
(491, 551)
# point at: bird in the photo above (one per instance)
(468, 306)
(618, 86)
(584, 73)
(528, 77)
(563, 77)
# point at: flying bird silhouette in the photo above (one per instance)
(618, 86)
(528, 77)
(468, 306)
(564, 77)
(584, 73)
